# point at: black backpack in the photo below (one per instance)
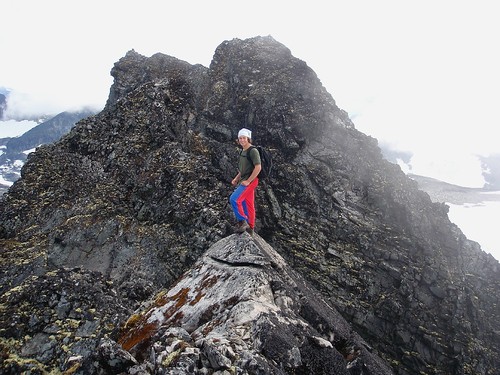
(266, 161)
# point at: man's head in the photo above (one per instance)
(244, 132)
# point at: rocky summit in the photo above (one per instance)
(117, 252)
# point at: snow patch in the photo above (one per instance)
(479, 222)
(13, 128)
(27, 152)
(4, 182)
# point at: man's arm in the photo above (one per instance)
(235, 180)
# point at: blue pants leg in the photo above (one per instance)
(234, 203)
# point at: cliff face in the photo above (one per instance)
(140, 191)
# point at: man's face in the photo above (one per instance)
(243, 141)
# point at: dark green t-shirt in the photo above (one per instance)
(245, 166)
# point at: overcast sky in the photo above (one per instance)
(421, 75)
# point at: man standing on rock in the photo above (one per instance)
(243, 198)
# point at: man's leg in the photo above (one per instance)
(245, 208)
(249, 201)
(236, 200)
(250, 205)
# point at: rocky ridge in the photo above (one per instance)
(138, 193)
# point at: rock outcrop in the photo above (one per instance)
(138, 193)
(241, 308)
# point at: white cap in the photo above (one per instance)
(245, 133)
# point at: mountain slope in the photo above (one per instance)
(140, 191)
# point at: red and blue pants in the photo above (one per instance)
(243, 202)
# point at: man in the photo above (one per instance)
(243, 198)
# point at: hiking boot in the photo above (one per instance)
(241, 226)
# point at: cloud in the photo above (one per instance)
(27, 105)
(450, 166)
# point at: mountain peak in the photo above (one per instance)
(138, 193)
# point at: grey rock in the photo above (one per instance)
(114, 358)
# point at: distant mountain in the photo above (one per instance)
(47, 132)
(14, 151)
(490, 165)
(441, 191)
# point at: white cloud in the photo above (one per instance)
(455, 168)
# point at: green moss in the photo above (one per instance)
(9, 349)
(171, 358)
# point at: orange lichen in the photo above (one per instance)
(137, 335)
(208, 282)
(176, 318)
(137, 329)
(132, 321)
(161, 299)
(196, 299)
(210, 326)
(181, 297)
